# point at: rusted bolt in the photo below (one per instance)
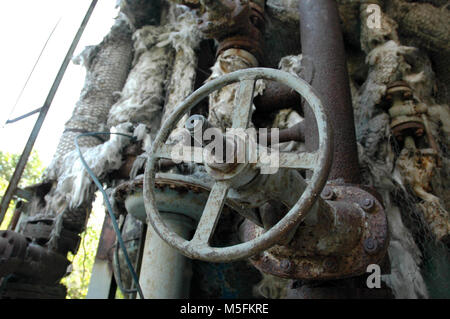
(328, 194)
(367, 204)
(287, 265)
(407, 95)
(419, 132)
(370, 245)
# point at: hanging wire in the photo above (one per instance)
(108, 204)
(117, 271)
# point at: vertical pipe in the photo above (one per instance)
(102, 274)
(323, 46)
(17, 213)
(165, 273)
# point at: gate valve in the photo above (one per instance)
(241, 174)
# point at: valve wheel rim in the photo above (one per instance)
(201, 250)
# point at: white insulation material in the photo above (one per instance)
(388, 62)
(185, 38)
(405, 279)
(75, 180)
(138, 112)
(386, 65)
(221, 102)
(163, 75)
(143, 95)
(288, 117)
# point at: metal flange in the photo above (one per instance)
(313, 256)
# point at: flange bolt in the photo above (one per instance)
(368, 204)
(370, 245)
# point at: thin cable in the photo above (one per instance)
(117, 271)
(31, 73)
(108, 205)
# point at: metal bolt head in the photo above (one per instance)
(196, 122)
(367, 204)
(370, 245)
(328, 194)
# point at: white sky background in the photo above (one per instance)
(24, 28)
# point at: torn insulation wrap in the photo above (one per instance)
(107, 66)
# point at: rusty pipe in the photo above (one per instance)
(295, 133)
(323, 44)
(278, 97)
(17, 213)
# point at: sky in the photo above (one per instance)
(24, 28)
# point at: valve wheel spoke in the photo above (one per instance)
(303, 160)
(243, 104)
(211, 214)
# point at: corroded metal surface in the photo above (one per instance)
(107, 240)
(294, 133)
(180, 194)
(276, 97)
(356, 238)
(40, 229)
(319, 19)
(20, 256)
(322, 161)
(235, 24)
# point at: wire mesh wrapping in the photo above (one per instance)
(107, 69)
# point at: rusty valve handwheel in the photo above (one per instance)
(319, 162)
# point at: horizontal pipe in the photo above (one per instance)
(277, 97)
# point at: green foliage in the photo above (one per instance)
(77, 282)
(31, 175)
